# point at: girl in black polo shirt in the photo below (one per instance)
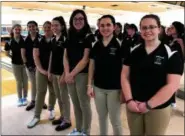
(56, 73)
(76, 58)
(27, 56)
(150, 76)
(177, 43)
(41, 52)
(19, 70)
(105, 69)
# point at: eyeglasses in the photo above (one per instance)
(151, 27)
(78, 19)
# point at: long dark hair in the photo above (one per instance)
(179, 28)
(11, 32)
(61, 20)
(72, 31)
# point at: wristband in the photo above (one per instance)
(89, 86)
(129, 100)
(148, 106)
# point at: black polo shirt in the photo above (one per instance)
(129, 42)
(29, 44)
(75, 50)
(148, 72)
(108, 64)
(174, 45)
(57, 55)
(15, 47)
(44, 51)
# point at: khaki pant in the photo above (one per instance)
(154, 122)
(42, 83)
(108, 102)
(61, 93)
(81, 103)
(32, 78)
(19, 72)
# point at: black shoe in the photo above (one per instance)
(62, 126)
(30, 106)
(45, 106)
(57, 121)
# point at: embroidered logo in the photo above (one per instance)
(158, 60)
(113, 51)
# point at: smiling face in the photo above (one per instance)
(32, 28)
(56, 27)
(47, 29)
(78, 21)
(106, 27)
(17, 31)
(149, 29)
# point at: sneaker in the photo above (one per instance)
(24, 102)
(63, 125)
(83, 134)
(51, 115)
(45, 106)
(173, 105)
(30, 106)
(19, 103)
(57, 121)
(75, 132)
(33, 123)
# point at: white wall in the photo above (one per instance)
(124, 17)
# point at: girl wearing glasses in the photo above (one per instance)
(105, 69)
(150, 76)
(76, 59)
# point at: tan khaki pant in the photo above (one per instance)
(42, 83)
(155, 122)
(21, 78)
(61, 93)
(81, 103)
(31, 76)
(108, 103)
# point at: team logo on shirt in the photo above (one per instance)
(113, 51)
(59, 43)
(158, 60)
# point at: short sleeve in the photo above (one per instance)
(66, 43)
(127, 60)
(24, 45)
(37, 43)
(92, 53)
(175, 64)
(88, 41)
(7, 47)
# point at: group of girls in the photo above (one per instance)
(72, 63)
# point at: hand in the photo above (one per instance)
(50, 77)
(90, 92)
(180, 41)
(133, 106)
(62, 79)
(69, 78)
(142, 107)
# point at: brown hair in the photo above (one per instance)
(11, 32)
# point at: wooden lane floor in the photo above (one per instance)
(8, 83)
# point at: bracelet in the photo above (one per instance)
(129, 100)
(148, 106)
(89, 86)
